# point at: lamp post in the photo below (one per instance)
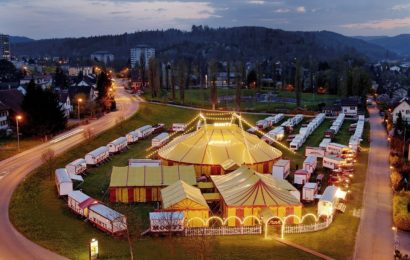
(78, 106)
(18, 118)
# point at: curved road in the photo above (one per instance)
(13, 170)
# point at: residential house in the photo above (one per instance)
(45, 81)
(350, 106)
(65, 102)
(4, 117)
(404, 108)
(10, 100)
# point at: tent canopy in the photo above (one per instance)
(245, 187)
(216, 144)
(181, 195)
(151, 176)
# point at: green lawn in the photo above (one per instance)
(36, 211)
(8, 147)
(202, 98)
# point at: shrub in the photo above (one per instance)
(395, 178)
(401, 215)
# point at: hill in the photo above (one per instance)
(249, 43)
(19, 39)
(399, 44)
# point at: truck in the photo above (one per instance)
(309, 191)
(281, 169)
(310, 163)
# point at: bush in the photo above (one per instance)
(395, 178)
(401, 215)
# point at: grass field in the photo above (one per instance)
(202, 98)
(8, 147)
(36, 211)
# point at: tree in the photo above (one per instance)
(8, 71)
(173, 81)
(239, 68)
(60, 78)
(153, 77)
(251, 79)
(103, 85)
(228, 73)
(43, 112)
(214, 93)
(142, 65)
(181, 80)
(298, 84)
(48, 158)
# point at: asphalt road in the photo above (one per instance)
(375, 238)
(13, 170)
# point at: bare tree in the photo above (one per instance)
(239, 72)
(182, 80)
(88, 133)
(48, 159)
(214, 94)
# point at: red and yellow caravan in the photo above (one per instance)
(212, 145)
(181, 196)
(143, 184)
(245, 193)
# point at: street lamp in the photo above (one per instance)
(18, 118)
(78, 106)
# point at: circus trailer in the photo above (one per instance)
(327, 202)
(144, 131)
(301, 177)
(118, 145)
(332, 162)
(143, 162)
(262, 124)
(310, 163)
(281, 169)
(79, 202)
(178, 127)
(325, 141)
(309, 191)
(107, 220)
(78, 166)
(160, 140)
(144, 184)
(166, 221)
(315, 151)
(336, 149)
(182, 197)
(97, 156)
(63, 182)
(278, 118)
(245, 193)
(213, 144)
(132, 137)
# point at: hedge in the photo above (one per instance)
(401, 214)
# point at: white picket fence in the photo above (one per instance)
(223, 231)
(304, 228)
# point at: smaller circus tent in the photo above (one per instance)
(181, 196)
(213, 146)
(143, 184)
(246, 192)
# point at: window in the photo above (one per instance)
(407, 112)
(352, 108)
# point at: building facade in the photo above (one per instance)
(102, 56)
(4, 47)
(404, 108)
(141, 50)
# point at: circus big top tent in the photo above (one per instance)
(245, 192)
(212, 145)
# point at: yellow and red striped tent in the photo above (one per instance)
(143, 184)
(181, 196)
(212, 146)
(246, 192)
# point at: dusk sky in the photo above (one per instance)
(61, 18)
